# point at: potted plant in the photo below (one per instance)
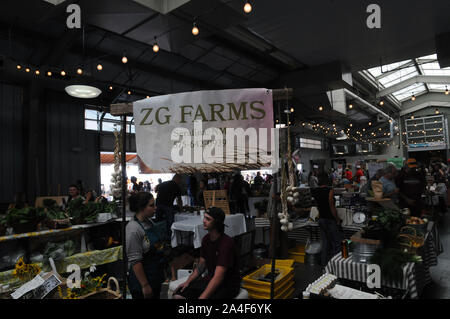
(26, 219)
(55, 215)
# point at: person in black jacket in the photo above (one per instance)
(329, 222)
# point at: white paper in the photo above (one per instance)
(49, 284)
(32, 284)
(343, 292)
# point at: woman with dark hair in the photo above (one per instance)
(144, 248)
(328, 219)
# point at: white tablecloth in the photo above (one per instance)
(236, 226)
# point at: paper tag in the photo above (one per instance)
(32, 284)
(49, 284)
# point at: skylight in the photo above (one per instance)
(391, 74)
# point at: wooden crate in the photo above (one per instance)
(217, 198)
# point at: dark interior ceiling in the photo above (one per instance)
(303, 45)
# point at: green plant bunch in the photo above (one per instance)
(391, 261)
(25, 215)
(52, 209)
(88, 212)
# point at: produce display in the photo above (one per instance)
(416, 221)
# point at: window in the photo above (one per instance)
(92, 121)
(310, 143)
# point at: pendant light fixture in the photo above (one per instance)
(83, 91)
(247, 7)
(155, 46)
(195, 29)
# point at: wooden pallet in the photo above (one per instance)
(217, 198)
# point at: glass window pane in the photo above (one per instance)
(90, 125)
(91, 114)
(109, 127)
(110, 117)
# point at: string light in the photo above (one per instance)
(27, 70)
(80, 71)
(19, 66)
(110, 87)
(381, 102)
(63, 73)
(129, 92)
(155, 46)
(437, 111)
(413, 97)
(247, 7)
(195, 29)
(446, 90)
(37, 72)
(49, 73)
(124, 58)
(99, 67)
(292, 110)
(320, 108)
(350, 106)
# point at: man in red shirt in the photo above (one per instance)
(218, 256)
(359, 173)
(348, 174)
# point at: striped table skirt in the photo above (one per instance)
(348, 269)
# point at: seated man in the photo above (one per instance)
(218, 256)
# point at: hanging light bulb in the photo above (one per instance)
(446, 90)
(110, 88)
(99, 67)
(148, 96)
(351, 124)
(155, 46)
(27, 70)
(437, 111)
(63, 73)
(129, 92)
(19, 66)
(320, 108)
(37, 72)
(412, 117)
(350, 106)
(247, 7)
(80, 71)
(49, 73)
(195, 30)
(413, 97)
(381, 102)
(370, 123)
(292, 110)
(124, 58)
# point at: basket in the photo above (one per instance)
(58, 223)
(105, 293)
(410, 240)
(297, 253)
(283, 284)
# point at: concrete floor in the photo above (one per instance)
(440, 286)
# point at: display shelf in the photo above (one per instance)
(52, 231)
(84, 260)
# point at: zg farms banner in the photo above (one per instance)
(206, 130)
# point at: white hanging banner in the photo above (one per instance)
(205, 130)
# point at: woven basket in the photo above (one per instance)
(58, 223)
(410, 240)
(105, 293)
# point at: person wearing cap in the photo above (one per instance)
(218, 256)
(411, 183)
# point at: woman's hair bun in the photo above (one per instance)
(139, 200)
